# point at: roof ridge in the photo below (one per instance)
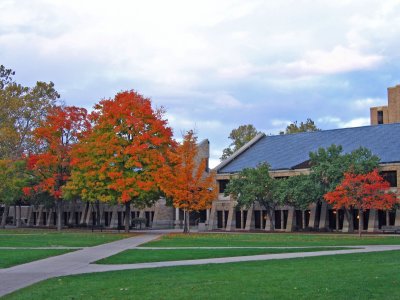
(334, 129)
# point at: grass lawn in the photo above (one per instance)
(351, 276)
(274, 239)
(46, 238)
(153, 255)
(9, 258)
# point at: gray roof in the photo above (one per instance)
(285, 152)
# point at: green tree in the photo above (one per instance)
(12, 179)
(297, 191)
(294, 127)
(22, 110)
(239, 136)
(329, 165)
(255, 185)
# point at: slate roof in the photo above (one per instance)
(285, 152)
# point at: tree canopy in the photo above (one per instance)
(254, 185)
(123, 153)
(55, 136)
(239, 137)
(22, 110)
(187, 181)
(307, 126)
(362, 192)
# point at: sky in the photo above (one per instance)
(213, 65)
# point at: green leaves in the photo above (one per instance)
(253, 184)
(239, 136)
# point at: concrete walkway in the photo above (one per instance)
(79, 262)
(14, 278)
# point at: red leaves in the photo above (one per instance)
(125, 149)
(63, 128)
(362, 191)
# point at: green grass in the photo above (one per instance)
(9, 258)
(351, 276)
(46, 238)
(154, 255)
(274, 239)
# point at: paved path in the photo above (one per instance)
(20, 276)
(79, 262)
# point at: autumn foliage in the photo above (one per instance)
(187, 182)
(119, 160)
(362, 192)
(62, 129)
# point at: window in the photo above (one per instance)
(281, 177)
(380, 117)
(391, 177)
(222, 185)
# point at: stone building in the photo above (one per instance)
(288, 155)
(390, 113)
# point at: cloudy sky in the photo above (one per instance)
(214, 65)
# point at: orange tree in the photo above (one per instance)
(119, 160)
(55, 136)
(362, 192)
(188, 182)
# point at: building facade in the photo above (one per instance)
(288, 155)
(390, 113)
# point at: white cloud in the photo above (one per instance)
(339, 123)
(280, 123)
(365, 104)
(339, 60)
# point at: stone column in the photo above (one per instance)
(29, 220)
(49, 218)
(39, 220)
(18, 216)
(231, 224)
(212, 217)
(291, 220)
(373, 225)
(84, 211)
(267, 223)
(313, 213)
(114, 217)
(397, 221)
(250, 218)
(89, 220)
(323, 221)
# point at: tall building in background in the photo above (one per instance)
(391, 112)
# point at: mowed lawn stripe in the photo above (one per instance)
(59, 239)
(156, 255)
(270, 239)
(9, 258)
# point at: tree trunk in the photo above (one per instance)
(127, 215)
(59, 214)
(360, 222)
(4, 217)
(271, 213)
(186, 228)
